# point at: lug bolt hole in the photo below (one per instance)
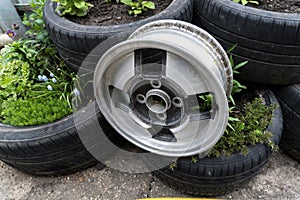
(161, 116)
(177, 102)
(155, 84)
(140, 98)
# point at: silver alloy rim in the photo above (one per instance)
(148, 86)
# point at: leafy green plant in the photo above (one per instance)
(35, 87)
(237, 87)
(72, 7)
(173, 165)
(37, 28)
(205, 102)
(194, 159)
(138, 7)
(14, 79)
(245, 2)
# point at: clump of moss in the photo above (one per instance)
(34, 111)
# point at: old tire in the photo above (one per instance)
(74, 41)
(50, 149)
(270, 41)
(289, 98)
(212, 176)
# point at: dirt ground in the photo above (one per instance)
(279, 179)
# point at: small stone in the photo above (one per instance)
(100, 166)
(5, 39)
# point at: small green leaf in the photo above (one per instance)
(130, 12)
(149, 4)
(244, 2)
(39, 21)
(81, 13)
(80, 4)
(240, 65)
(233, 119)
(231, 99)
(90, 5)
(137, 12)
(126, 2)
(254, 2)
(232, 47)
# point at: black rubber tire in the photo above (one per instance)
(50, 149)
(289, 98)
(270, 41)
(74, 41)
(212, 176)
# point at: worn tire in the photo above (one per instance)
(270, 41)
(74, 41)
(50, 149)
(289, 98)
(212, 176)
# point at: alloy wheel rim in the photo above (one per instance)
(148, 88)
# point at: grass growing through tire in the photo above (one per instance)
(35, 87)
(247, 123)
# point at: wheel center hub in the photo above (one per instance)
(157, 101)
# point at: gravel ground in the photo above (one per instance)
(279, 179)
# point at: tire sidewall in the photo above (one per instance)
(71, 27)
(290, 20)
(263, 150)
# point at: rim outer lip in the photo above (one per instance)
(197, 35)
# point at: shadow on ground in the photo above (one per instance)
(279, 179)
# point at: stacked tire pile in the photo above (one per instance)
(270, 41)
(56, 148)
(272, 49)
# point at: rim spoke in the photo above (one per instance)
(185, 75)
(200, 116)
(162, 133)
(131, 124)
(120, 98)
(119, 76)
(191, 130)
(150, 62)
